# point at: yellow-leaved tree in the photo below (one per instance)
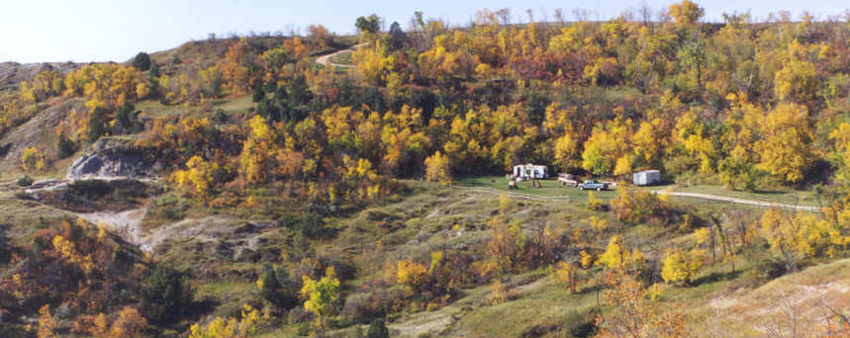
(568, 274)
(46, 323)
(410, 274)
(680, 266)
(32, 160)
(320, 295)
(785, 148)
(437, 169)
(243, 327)
(617, 257)
(197, 178)
(258, 151)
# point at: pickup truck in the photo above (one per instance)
(593, 185)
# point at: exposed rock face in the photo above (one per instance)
(111, 164)
(13, 73)
(39, 131)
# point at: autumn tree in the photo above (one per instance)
(632, 316)
(437, 169)
(608, 144)
(258, 151)
(129, 323)
(785, 148)
(320, 295)
(568, 274)
(321, 35)
(246, 325)
(686, 12)
(235, 67)
(680, 266)
(618, 257)
(46, 323)
(32, 160)
(197, 178)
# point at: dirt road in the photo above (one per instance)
(739, 201)
(325, 60)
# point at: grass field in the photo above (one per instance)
(230, 105)
(343, 58)
(551, 188)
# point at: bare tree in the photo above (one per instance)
(645, 14)
(581, 14)
(559, 16)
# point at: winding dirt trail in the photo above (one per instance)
(325, 60)
(738, 200)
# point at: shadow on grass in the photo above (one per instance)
(201, 308)
(717, 277)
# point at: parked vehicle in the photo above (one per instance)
(593, 185)
(567, 180)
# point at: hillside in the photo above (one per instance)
(354, 186)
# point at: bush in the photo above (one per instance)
(65, 147)
(594, 203)
(32, 159)
(634, 206)
(165, 295)
(378, 329)
(25, 181)
(312, 226)
(276, 292)
(220, 116)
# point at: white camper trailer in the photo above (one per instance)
(529, 171)
(646, 177)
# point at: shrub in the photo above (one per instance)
(378, 329)
(594, 203)
(634, 206)
(165, 295)
(276, 292)
(65, 147)
(312, 226)
(25, 181)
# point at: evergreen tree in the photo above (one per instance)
(142, 61)
(378, 329)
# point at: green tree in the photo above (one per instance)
(165, 295)
(378, 329)
(142, 61)
(65, 147)
(97, 124)
(275, 292)
(369, 25)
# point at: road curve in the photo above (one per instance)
(325, 60)
(739, 201)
